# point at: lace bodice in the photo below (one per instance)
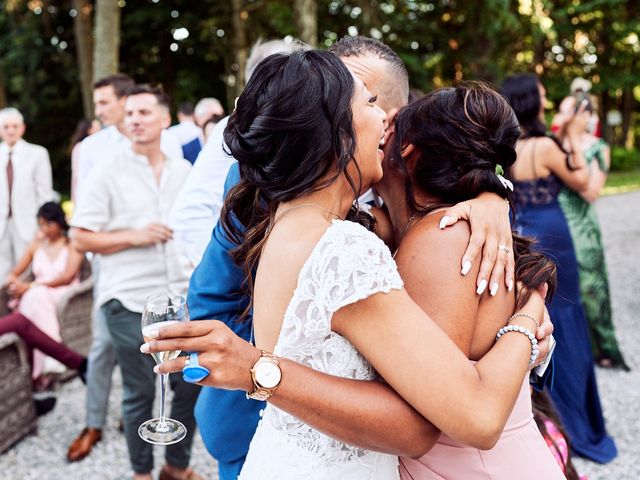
(539, 191)
(348, 264)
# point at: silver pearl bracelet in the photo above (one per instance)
(525, 331)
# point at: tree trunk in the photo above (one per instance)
(627, 113)
(3, 88)
(607, 130)
(84, 52)
(240, 45)
(306, 17)
(106, 39)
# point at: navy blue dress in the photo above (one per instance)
(575, 393)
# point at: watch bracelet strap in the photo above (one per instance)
(261, 393)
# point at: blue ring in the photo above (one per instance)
(193, 372)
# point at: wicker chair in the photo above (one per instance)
(17, 412)
(74, 312)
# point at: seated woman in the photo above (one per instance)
(34, 338)
(446, 149)
(55, 265)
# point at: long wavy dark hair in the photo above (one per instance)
(291, 128)
(523, 94)
(461, 135)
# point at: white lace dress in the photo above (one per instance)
(348, 264)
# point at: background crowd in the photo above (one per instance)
(145, 197)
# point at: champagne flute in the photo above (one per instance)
(162, 310)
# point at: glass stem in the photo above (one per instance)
(164, 381)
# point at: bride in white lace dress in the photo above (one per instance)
(327, 294)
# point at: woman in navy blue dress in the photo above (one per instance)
(542, 168)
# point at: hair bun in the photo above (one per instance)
(506, 154)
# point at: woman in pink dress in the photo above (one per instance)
(452, 145)
(55, 265)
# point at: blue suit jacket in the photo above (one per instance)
(227, 419)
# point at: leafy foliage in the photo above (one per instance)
(186, 46)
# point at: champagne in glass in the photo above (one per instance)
(162, 310)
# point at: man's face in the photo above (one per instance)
(109, 109)
(373, 71)
(145, 119)
(11, 130)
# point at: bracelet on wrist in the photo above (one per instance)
(526, 315)
(526, 332)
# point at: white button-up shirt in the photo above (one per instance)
(186, 132)
(123, 194)
(104, 145)
(197, 208)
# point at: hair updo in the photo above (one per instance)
(292, 127)
(461, 134)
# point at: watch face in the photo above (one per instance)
(267, 374)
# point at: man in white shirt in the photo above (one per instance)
(197, 208)
(25, 184)
(98, 151)
(122, 216)
(109, 96)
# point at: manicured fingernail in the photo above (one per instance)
(481, 287)
(510, 285)
(466, 266)
(443, 223)
(156, 369)
(494, 289)
(144, 348)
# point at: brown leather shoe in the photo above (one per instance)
(187, 474)
(82, 445)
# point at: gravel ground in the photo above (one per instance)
(620, 391)
(42, 456)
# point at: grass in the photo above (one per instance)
(621, 182)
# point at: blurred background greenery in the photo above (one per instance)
(50, 51)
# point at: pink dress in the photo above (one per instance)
(39, 303)
(521, 453)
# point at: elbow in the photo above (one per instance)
(484, 433)
(418, 444)
(77, 241)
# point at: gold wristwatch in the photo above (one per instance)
(266, 376)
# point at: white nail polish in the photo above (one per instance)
(144, 348)
(510, 285)
(494, 289)
(156, 369)
(481, 287)
(466, 266)
(443, 222)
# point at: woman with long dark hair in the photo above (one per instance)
(541, 170)
(55, 265)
